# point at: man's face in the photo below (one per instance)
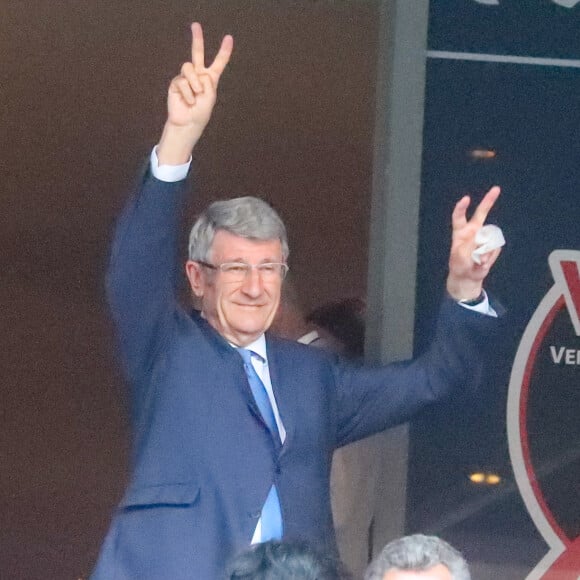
(439, 572)
(240, 311)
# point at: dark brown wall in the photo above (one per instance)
(82, 89)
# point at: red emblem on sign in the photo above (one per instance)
(543, 419)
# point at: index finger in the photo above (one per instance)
(197, 50)
(485, 205)
(223, 56)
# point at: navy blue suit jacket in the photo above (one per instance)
(203, 460)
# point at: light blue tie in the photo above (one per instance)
(271, 513)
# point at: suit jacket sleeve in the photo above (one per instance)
(143, 273)
(370, 400)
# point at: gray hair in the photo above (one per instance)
(247, 217)
(418, 553)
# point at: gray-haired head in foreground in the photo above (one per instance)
(247, 217)
(418, 553)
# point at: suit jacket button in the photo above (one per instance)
(255, 515)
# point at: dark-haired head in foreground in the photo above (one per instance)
(284, 561)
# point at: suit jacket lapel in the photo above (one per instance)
(233, 359)
(281, 373)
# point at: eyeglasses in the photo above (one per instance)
(238, 271)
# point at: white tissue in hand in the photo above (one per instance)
(488, 238)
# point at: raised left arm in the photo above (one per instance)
(465, 279)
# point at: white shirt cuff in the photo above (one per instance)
(484, 307)
(168, 173)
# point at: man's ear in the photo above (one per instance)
(196, 276)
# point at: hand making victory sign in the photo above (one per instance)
(466, 277)
(191, 98)
(190, 102)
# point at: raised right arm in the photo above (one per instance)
(143, 272)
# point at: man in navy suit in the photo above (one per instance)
(234, 429)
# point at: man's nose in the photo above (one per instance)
(253, 284)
